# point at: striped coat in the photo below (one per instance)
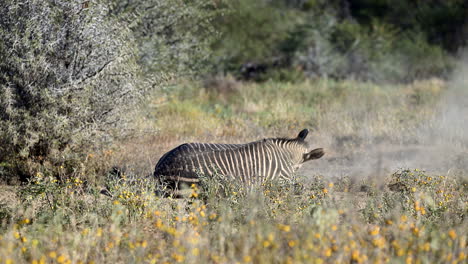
(251, 163)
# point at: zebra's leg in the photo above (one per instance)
(165, 187)
(176, 187)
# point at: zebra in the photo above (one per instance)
(250, 163)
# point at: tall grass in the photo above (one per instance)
(422, 220)
(404, 216)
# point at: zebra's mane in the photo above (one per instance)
(286, 140)
(193, 149)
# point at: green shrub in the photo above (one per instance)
(251, 34)
(172, 36)
(290, 40)
(67, 73)
(378, 53)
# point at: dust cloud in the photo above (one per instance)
(438, 145)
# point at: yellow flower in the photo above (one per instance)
(374, 231)
(178, 258)
(426, 246)
(144, 244)
(99, 232)
(452, 234)
(284, 228)
(247, 259)
(52, 254)
(271, 236)
(461, 256)
(61, 259)
(379, 242)
(291, 243)
(409, 260)
(325, 191)
(355, 255)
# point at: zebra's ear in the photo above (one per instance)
(303, 134)
(314, 154)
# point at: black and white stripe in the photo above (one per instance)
(251, 163)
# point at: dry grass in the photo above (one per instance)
(342, 210)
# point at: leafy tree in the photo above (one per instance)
(251, 33)
(443, 22)
(383, 40)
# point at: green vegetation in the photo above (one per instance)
(405, 216)
(396, 41)
(92, 93)
(229, 108)
(329, 221)
(72, 72)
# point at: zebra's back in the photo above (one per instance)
(184, 162)
(254, 162)
(250, 163)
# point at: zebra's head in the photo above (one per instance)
(301, 150)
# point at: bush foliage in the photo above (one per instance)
(172, 36)
(70, 71)
(397, 41)
(67, 72)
